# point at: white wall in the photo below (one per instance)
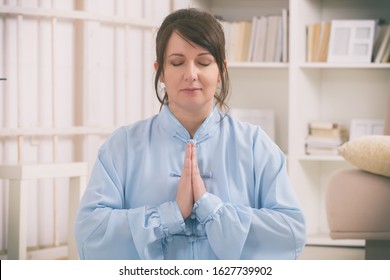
(75, 71)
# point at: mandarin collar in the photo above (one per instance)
(176, 129)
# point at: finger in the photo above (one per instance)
(194, 159)
(198, 186)
(186, 171)
(184, 196)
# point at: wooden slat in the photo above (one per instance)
(77, 15)
(37, 171)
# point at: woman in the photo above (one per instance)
(190, 182)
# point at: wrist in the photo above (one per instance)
(206, 206)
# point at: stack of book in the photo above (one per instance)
(263, 39)
(324, 138)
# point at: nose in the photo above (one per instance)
(191, 73)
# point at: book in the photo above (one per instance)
(261, 38)
(333, 132)
(324, 125)
(253, 39)
(386, 55)
(234, 41)
(322, 55)
(285, 32)
(384, 41)
(272, 36)
(318, 141)
(246, 29)
(316, 41)
(321, 150)
(380, 31)
(279, 42)
(309, 42)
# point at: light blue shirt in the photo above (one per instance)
(249, 211)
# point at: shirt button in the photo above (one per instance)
(193, 216)
(192, 238)
(191, 141)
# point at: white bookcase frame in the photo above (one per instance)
(300, 92)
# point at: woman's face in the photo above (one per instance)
(190, 75)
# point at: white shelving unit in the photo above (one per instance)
(300, 92)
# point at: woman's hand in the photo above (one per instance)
(198, 187)
(191, 186)
(184, 196)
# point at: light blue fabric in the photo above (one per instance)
(249, 211)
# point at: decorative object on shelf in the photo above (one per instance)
(263, 118)
(324, 138)
(351, 41)
(364, 127)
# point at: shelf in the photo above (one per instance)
(259, 65)
(323, 239)
(319, 65)
(321, 158)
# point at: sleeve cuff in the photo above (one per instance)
(171, 219)
(206, 207)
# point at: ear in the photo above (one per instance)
(161, 78)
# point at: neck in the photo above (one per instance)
(191, 120)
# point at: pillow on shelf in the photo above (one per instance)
(370, 153)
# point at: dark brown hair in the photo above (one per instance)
(204, 30)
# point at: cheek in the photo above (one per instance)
(171, 78)
(213, 76)
(212, 79)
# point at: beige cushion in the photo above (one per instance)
(370, 153)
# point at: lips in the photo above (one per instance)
(191, 89)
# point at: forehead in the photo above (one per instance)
(177, 44)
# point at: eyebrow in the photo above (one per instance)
(179, 54)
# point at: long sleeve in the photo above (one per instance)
(106, 229)
(239, 232)
(273, 228)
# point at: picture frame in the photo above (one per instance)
(351, 41)
(265, 118)
(365, 127)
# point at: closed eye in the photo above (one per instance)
(176, 63)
